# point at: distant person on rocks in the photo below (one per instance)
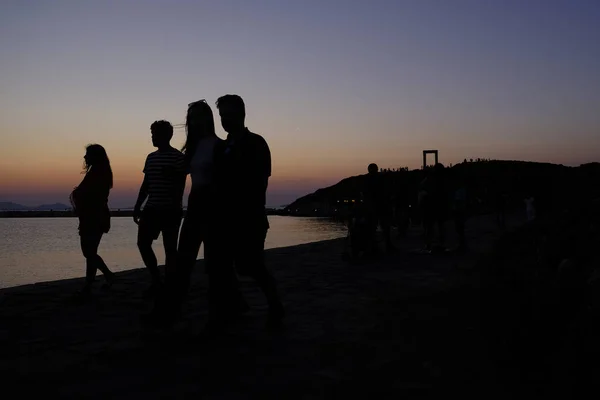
(163, 186)
(360, 230)
(401, 212)
(501, 209)
(460, 208)
(434, 202)
(243, 171)
(90, 202)
(378, 202)
(530, 208)
(543, 199)
(423, 201)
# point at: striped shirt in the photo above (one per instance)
(164, 170)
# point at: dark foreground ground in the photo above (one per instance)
(407, 325)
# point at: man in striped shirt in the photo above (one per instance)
(163, 186)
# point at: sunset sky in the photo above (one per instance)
(331, 85)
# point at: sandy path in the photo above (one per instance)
(402, 325)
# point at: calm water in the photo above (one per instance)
(46, 249)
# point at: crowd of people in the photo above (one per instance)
(443, 195)
(440, 198)
(233, 232)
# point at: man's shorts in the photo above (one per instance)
(154, 221)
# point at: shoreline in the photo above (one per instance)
(142, 270)
(69, 213)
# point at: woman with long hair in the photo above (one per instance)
(201, 150)
(90, 202)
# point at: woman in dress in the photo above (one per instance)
(90, 202)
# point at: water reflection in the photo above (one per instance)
(44, 249)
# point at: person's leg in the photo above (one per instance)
(167, 305)
(371, 240)
(89, 247)
(147, 232)
(170, 231)
(249, 260)
(459, 224)
(402, 224)
(356, 241)
(225, 297)
(238, 303)
(108, 274)
(179, 272)
(222, 292)
(193, 233)
(384, 222)
(428, 223)
(441, 225)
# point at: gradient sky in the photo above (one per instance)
(331, 85)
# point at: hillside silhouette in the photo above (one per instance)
(551, 184)
(10, 206)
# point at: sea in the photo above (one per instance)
(36, 250)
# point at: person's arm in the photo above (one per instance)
(142, 196)
(258, 169)
(266, 164)
(73, 199)
(267, 173)
(80, 194)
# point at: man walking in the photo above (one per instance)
(242, 176)
(163, 186)
(379, 204)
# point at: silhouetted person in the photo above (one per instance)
(200, 147)
(163, 186)
(500, 209)
(243, 170)
(401, 212)
(90, 202)
(434, 203)
(361, 234)
(460, 208)
(543, 198)
(379, 204)
(530, 208)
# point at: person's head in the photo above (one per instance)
(199, 123)
(233, 113)
(162, 133)
(373, 168)
(439, 170)
(96, 160)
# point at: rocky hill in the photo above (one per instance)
(484, 179)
